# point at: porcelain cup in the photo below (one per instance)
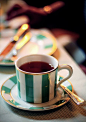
(39, 87)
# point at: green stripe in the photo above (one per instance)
(15, 31)
(29, 80)
(6, 89)
(13, 102)
(36, 108)
(18, 83)
(45, 88)
(30, 99)
(7, 61)
(40, 36)
(69, 87)
(48, 46)
(17, 74)
(29, 88)
(19, 93)
(29, 91)
(14, 79)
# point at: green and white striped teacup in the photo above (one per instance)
(38, 87)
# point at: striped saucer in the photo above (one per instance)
(10, 95)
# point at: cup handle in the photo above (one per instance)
(69, 68)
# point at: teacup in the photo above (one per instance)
(38, 86)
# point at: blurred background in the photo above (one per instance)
(63, 18)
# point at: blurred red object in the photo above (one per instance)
(83, 68)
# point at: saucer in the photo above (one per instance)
(41, 42)
(10, 95)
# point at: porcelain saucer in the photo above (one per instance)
(10, 95)
(41, 42)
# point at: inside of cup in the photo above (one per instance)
(37, 57)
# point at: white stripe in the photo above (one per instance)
(37, 84)
(14, 94)
(66, 83)
(9, 84)
(52, 84)
(22, 85)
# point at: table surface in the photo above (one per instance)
(70, 112)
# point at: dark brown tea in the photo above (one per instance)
(36, 67)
